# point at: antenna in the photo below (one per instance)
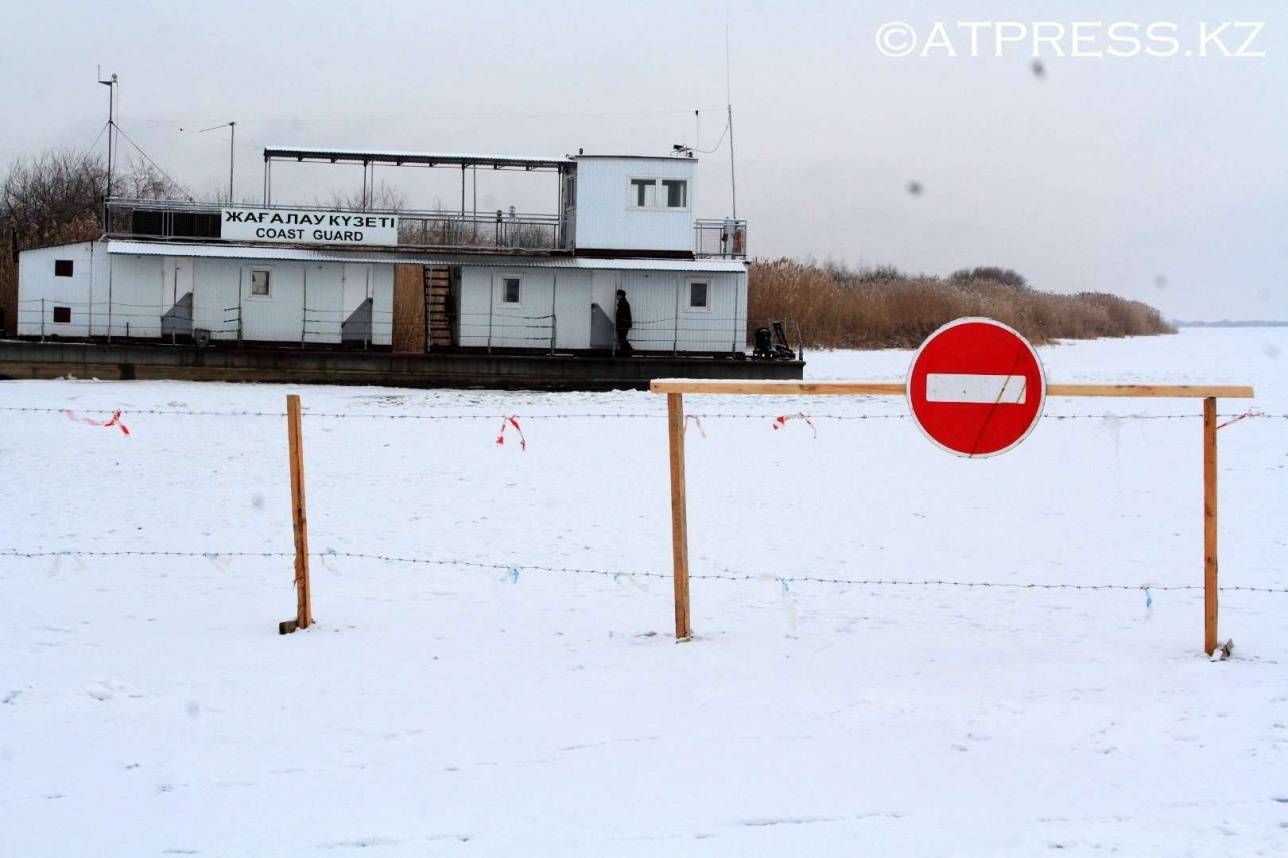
(733, 178)
(232, 141)
(111, 84)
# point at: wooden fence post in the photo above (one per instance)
(303, 594)
(1209, 527)
(679, 515)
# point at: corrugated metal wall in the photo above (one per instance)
(176, 296)
(563, 294)
(279, 317)
(312, 300)
(129, 294)
(40, 290)
(382, 296)
(664, 320)
(216, 295)
(135, 287)
(324, 289)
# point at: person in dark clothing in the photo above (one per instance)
(623, 323)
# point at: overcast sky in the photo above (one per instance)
(1158, 178)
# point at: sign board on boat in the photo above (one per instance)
(302, 226)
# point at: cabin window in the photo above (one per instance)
(698, 295)
(63, 315)
(676, 192)
(643, 193)
(63, 267)
(659, 194)
(511, 290)
(195, 224)
(261, 285)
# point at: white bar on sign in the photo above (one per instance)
(986, 389)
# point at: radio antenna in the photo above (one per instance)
(111, 84)
(733, 177)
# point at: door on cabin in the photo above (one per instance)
(603, 309)
(272, 303)
(356, 304)
(176, 297)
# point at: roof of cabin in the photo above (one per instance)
(447, 159)
(363, 255)
(381, 156)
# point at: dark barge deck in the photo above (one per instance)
(20, 359)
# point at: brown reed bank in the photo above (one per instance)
(838, 307)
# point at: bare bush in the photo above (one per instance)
(1005, 276)
(881, 308)
(384, 197)
(49, 197)
(53, 199)
(57, 198)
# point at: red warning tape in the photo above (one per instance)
(1241, 417)
(781, 420)
(115, 421)
(511, 421)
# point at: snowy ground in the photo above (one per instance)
(148, 706)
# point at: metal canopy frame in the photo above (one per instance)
(370, 158)
(401, 159)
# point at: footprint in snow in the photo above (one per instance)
(100, 690)
(788, 820)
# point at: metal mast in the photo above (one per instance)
(110, 83)
(232, 142)
(733, 177)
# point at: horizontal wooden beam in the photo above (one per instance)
(782, 388)
(860, 388)
(1167, 391)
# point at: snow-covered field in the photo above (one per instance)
(148, 705)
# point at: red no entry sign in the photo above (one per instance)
(976, 387)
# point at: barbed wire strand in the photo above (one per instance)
(339, 415)
(573, 570)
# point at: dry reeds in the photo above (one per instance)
(883, 308)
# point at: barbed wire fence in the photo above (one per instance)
(515, 569)
(620, 573)
(606, 415)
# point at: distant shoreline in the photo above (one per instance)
(1225, 323)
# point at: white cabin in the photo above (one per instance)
(460, 280)
(633, 204)
(203, 292)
